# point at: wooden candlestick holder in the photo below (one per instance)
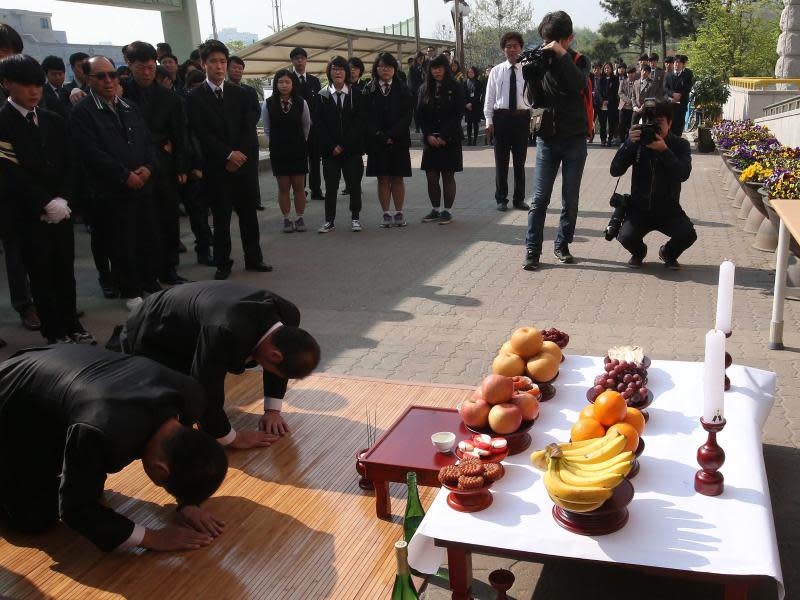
(501, 580)
(728, 363)
(710, 456)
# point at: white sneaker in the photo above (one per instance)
(133, 303)
(326, 228)
(356, 225)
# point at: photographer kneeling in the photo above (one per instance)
(659, 168)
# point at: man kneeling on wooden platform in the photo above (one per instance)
(210, 328)
(71, 414)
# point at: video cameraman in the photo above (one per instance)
(659, 168)
(557, 89)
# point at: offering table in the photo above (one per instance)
(671, 529)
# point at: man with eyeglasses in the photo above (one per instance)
(118, 155)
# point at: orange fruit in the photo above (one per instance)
(609, 408)
(635, 418)
(629, 431)
(587, 412)
(586, 429)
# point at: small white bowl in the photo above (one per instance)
(444, 441)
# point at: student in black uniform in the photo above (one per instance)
(473, 105)
(341, 137)
(80, 413)
(287, 122)
(357, 69)
(36, 180)
(219, 116)
(208, 329)
(388, 108)
(441, 106)
(309, 87)
(54, 70)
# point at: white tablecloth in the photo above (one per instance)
(670, 524)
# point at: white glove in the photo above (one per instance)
(56, 211)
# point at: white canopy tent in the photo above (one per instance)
(267, 56)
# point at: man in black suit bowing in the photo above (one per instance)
(36, 179)
(221, 120)
(310, 87)
(70, 415)
(235, 74)
(208, 329)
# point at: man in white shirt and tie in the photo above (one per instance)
(507, 113)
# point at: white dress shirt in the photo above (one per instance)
(24, 111)
(498, 87)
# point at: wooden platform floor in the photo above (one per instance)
(298, 526)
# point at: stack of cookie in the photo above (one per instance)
(470, 474)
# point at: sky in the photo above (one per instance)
(87, 23)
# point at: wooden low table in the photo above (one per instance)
(789, 212)
(406, 446)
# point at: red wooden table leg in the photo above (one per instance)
(459, 564)
(383, 503)
(736, 591)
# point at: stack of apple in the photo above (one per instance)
(502, 404)
(528, 353)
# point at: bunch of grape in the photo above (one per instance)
(627, 378)
(560, 338)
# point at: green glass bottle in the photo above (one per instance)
(403, 586)
(414, 512)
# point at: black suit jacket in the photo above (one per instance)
(110, 146)
(208, 329)
(310, 91)
(220, 128)
(682, 84)
(53, 100)
(89, 412)
(345, 129)
(387, 119)
(34, 166)
(162, 110)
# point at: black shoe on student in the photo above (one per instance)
(502, 206)
(205, 258)
(670, 263)
(222, 273)
(521, 206)
(171, 277)
(259, 267)
(431, 217)
(531, 260)
(563, 255)
(260, 206)
(317, 195)
(345, 192)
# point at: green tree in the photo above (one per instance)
(644, 22)
(602, 50)
(486, 24)
(737, 38)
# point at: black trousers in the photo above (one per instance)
(473, 118)
(314, 180)
(195, 202)
(49, 252)
(130, 223)
(18, 286)
(625, 118)
(608, 123)
(351, 168)
(168, 232)
(674, 224)
(678, 119)
(510, 138)
(101, 240)
(224, 194)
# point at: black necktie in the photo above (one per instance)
(512, 89)
(31, 116)
(302, 79)
(339, 100)
(218, 94)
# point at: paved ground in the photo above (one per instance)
(433, 303)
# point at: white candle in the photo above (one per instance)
(725, 297)
(714, 377)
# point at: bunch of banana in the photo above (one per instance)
(581, 476)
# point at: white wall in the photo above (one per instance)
(785, 126)
(749, 104)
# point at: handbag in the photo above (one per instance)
(542, 122)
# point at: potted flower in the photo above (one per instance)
(784, 184)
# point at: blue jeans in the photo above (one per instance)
(570, 154)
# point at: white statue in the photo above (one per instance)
(788, 65)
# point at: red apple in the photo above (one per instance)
(528, 405)
(475, 412)
(505, 418)
(497, 389)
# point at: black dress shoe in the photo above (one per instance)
(205, 258)
(521, 206)
(222, 273)
(531, 260)
(563, 255)
(172, 278)
(259, 267)
(317, 195)
(260, 206)
(502, 206)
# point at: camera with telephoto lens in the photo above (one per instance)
(648, 127)
(535, 62)
(620, 204)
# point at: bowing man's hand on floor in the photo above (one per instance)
(248, 438)
(272, 422)
(200, 520)
(175, 537)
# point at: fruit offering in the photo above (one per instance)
(470, 474)
(527, 352)
(482, 446)
(609, 413)
(560, 338)
(501, 404)
(581, 476)
(627, 378)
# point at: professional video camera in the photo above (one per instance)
(649, 127)
(620, 204)
(535, 62)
